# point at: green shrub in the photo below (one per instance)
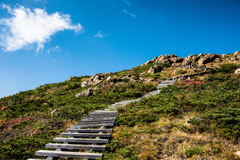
(192, 151)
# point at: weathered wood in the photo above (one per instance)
(97, 119)
(92, 125)
(100, 115)
(89, 130)
(76, 146)
(68, 154)
(80, 140)
(105, 111)
(95, 122)
(105, 135)
(103, 114)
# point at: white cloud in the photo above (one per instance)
(131, 14)
(53, 49)
(125, 1)
(26, 27)
(101, 35)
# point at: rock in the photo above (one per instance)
(191, 59)
(114, 80)
(237, 72)
(84, 84)
(237, 153)
(141, 74)
(85, 93)
(149, 61)
(237, 55)
(95, 79)
(207, 58)
(173, 55)
(177, 59)
(218, 60)
(155, 69)
(71, 78)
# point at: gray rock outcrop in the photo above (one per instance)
(155, 69)
(85, 93)
(237, 55)
(237, 72)
(95, 79)
(208, 58)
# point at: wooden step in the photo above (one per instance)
(103, 113)
(105, 135)
(95, 122)
(92, 125)
(97, 119)
(68, 154)
(80, 140)
(76, 146)
(89, 130)
(99, 116)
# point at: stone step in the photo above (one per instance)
(89, 130)
(105, 135)
(80, 140)
(76, 146)
(92, 125)
(68, 154)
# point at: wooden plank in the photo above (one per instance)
(80, 140)
(95, 122)
(100, 115)
(76, 146)
(92, 125)
(97, 119)
(104, 114)
(89, 130)
(105, 111)
(68, 154)
(106, 135)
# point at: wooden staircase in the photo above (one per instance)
(85, 139)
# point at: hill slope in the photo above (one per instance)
(188, 120)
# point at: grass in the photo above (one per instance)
(185, 121)
(193, 119)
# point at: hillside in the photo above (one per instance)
(196, 118)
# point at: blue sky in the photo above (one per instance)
(46, 41)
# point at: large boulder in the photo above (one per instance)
(85, 93)
(155, 69)
(237, 55)
(95, 79)
(208, 58)
(144, 64)
(177, 59)
(114, 79)
(191, 59)
(237, 71)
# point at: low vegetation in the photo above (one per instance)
(194, 119)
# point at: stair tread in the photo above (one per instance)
(68, 154)
(75, 146)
